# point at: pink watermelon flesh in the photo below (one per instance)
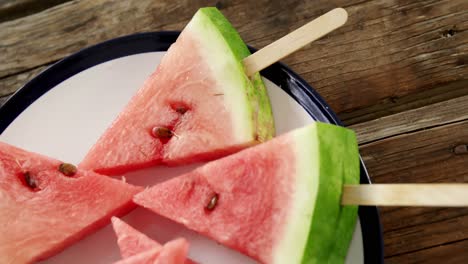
(238, 179)
(145, 257)
(47, 211)
(185, 96)
(131, 241)
(173, 252)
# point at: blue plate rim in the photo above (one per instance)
(137, 43)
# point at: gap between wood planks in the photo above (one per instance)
(430, 116)
(410, 240)
(394, 105)
(10, 84)
(452, 252)
(426, 248)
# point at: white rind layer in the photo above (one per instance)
(291, 247)
(228, 73)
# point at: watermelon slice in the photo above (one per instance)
(46, 205)
(173, 252)
(131, 242)
(198, 105)
(145, 257)
(278, 202)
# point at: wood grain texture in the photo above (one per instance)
(386, 50)
(394, 105)
(11, 84)
(3, 100)
(411, 217)
(437, 114)
(11, 9)
(450, 253)
(424, 236)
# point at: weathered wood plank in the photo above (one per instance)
(10, 84)
(413, 216)
(423, 156)
(451, 253)
(394, 105)
(428, 116)
(426, 235)
(12, 9)
(388, 49)
(3, 100)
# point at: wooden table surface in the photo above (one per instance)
(396, 73)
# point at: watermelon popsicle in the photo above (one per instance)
(278, 202)
(198, 105)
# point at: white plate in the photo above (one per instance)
(67, 120)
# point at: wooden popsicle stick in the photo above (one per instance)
(295, 40)
(443, 195)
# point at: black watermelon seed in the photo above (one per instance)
(162, 132)
(30, 181)
(181, 109)
(67, 169)
(212, 203)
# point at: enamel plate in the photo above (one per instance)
(63, 111)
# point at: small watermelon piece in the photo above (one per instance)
(173, 252)
(146, 257)
(131, 241)
(46, 205)
(198, 105)
(278, 202)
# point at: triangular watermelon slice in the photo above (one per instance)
(46, 205)
(198, 105)
(173, 252)
(278, 202)
(146, 257)
(131, 241)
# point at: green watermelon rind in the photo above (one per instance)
(325, 153)
(344, 234)
(346, 221)
(216, 31)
